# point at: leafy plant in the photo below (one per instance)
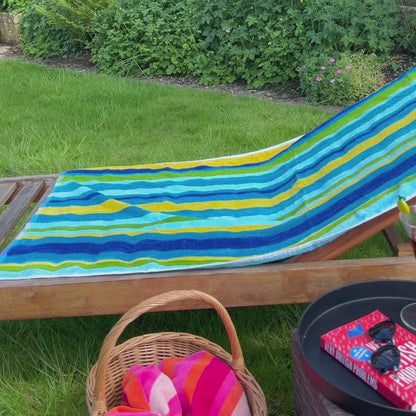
(14, 6)
(73, 16)
(408, 40)
(352, 25)
(261, 43)
(43, 39)
(150, 37)
(257, 43)
(340, 79)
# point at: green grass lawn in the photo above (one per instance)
(54, 120)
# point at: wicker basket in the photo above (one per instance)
(106, 376)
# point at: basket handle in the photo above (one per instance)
(147, 306)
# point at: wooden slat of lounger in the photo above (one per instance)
(394, 238)
(270, 284)
(20, 181)
(399, 247)
(6, 191)
(18, 207)
(404, 250)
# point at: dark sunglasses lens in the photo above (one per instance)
(386, 358)
(383, 331)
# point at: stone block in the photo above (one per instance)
(9, 28)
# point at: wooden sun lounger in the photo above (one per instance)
(299, 280)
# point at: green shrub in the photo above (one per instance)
(340, 79)
(408, 39)
(352, 25)
(212, 40)
(43, 39)
(59, 27)
(14, 6)
(73, 16)
(261, 43)
(258, 43)
(149, 37)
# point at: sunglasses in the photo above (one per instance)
(387, 357)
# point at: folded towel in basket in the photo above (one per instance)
(148, 392)
(197, 385)
(206, 386)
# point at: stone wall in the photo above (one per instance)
(9, 28)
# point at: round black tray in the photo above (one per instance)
(339, 307)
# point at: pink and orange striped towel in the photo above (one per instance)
(198, 385)
(148, 392)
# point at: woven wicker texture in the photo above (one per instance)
(106, 376)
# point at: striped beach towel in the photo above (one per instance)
(233, 211)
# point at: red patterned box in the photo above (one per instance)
(351, 345)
